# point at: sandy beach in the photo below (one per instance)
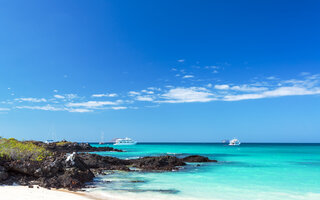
(25, 193)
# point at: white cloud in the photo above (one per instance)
(278, 92)
(79, 110)
(47, 108)
(154, 88)
(4, 109)
(209, 85)
(55, 91)
(147, 91)
(183, 95)
(104, 95)
(144, 98)
(119, 108)
(271, 78)
(71, 96)
(188, 76)
(30, 99)
(59, 96)
(304, 73)
(222, 87)
(181, 60)
(212, 67)
(99, 95)
(246, 88)
(92, 104)
(242, 88)
(133, 93)
(113, 95)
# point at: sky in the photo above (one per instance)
(160, 71)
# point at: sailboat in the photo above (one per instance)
(53, 136)
(102, 138)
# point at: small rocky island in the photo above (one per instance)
(71, 165)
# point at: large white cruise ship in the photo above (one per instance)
(124, 141)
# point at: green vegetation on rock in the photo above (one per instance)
(62, 143)
(17, 150)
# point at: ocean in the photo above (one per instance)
(245, 172)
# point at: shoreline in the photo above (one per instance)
(13, 192)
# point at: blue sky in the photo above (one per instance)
(160, 71)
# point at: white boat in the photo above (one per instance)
(102, 138)
(124, 141)
(48, 141)
(234, 142)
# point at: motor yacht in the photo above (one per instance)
(234, 142)
(124, 141)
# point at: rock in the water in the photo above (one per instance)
(162, 163)
(197, 158)
(104, 162)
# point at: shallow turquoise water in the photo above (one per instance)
(249, 171)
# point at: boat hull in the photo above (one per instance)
(125, 143)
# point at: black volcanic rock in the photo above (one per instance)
(162, 163)
(69, 147)
(24, 167)
(58, 171)
(104, 162)
(196, 158)
(3, 173)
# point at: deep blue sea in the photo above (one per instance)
(246, 172)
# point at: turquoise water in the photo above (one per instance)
(249, 171)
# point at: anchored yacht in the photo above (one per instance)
(234, 142)
(124, 141)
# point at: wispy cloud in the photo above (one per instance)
(144, 98)
(92, 104)
(58, 96)
(187, 95)
(147, 91)
(133, 93)
(154, 88)
(104, 95)
(71, 96)
(188, 76)
(242, 88)
(30, 99)
(206, 90)
(79, 110)
(279, 92)
(119, 108)
(247, 88)
(46, 107)
(181, 60)
(222, 87)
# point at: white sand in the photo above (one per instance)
(25, 193)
